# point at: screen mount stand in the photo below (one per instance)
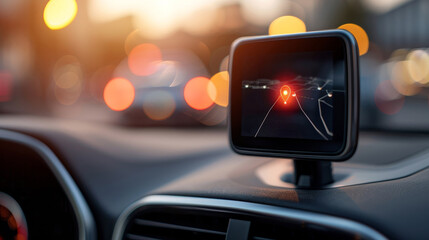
(312, 174)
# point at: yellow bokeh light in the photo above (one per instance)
(67, 80)
(402, 81)
(59, 13)
(418, 65)
(360, 36)
(219, 88)
(68, 87)
(286, 25)
(68, 96)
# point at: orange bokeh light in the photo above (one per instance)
(360, 36)
(196, 93)
(143, 59)
(119, 94)
(286, 25)
(218, 88)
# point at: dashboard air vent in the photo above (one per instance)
(174, 217)
(176, 223)
(268, 228)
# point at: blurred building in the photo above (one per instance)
(402, 27)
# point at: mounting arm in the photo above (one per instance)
(312, 174)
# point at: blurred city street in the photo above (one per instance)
(165, 62)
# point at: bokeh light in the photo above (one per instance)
(418, 65)
(5, 86)
(159, 105)
(387, 99)
(119, 94)
(360, 36)
(67, 79)
(59, 13)
(286, 25)
(68, 88)
(399, 54)
(67, 96)
(143, 59)
(196, 93)
(220, 81)
(402, 80)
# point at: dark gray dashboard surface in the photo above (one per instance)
(115, 166)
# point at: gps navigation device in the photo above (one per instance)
(295, 95)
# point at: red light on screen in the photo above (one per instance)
(285, 93)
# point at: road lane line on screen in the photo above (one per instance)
(314, 126)
(321, 117)
(329, 105)
(326, 83)
(266, 115)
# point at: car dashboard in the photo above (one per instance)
(76, 180)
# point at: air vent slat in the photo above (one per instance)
(138, 237)
(148, 223)
(261, 238)
(172, 222)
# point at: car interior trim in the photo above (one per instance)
(292, 214)
(346, 174)
(86, 223)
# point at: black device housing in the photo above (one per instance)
(346, 119)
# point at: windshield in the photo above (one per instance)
(165, 62)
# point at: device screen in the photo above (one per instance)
(289, 95)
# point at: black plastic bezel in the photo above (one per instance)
(304, 149)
